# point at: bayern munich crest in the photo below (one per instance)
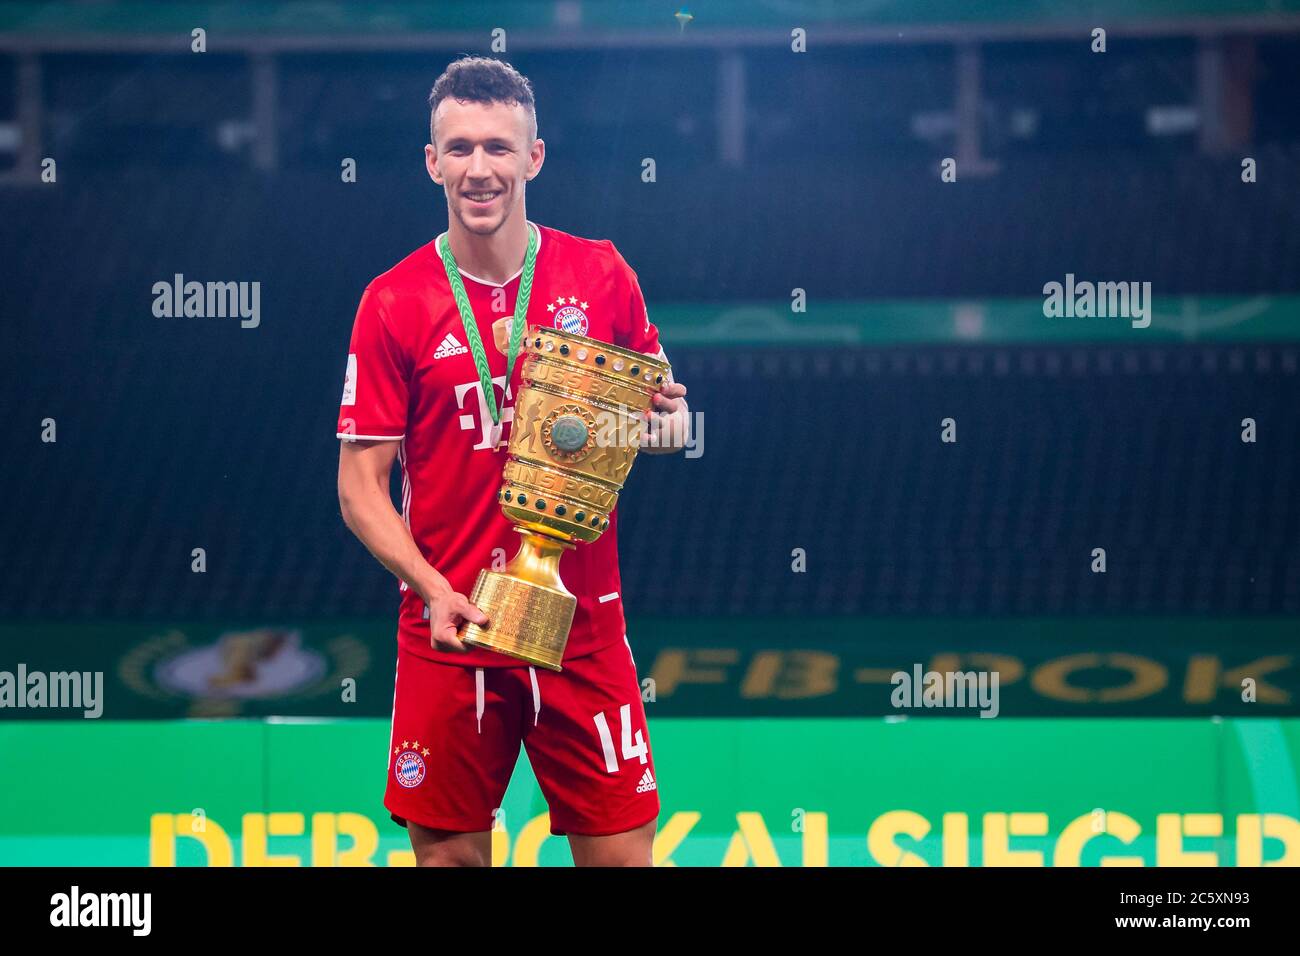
(570, 318)
(409, 768)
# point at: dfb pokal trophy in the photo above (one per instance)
(577, 426)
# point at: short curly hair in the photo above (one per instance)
(481, 79)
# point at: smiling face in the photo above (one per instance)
(482, 155)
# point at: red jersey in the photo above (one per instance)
(411, 378)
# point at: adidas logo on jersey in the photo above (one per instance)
(647, 782)
(449, 346)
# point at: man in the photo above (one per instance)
(413, 392)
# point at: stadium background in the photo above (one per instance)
(1122, 729)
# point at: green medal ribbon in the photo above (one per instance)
(471, 326)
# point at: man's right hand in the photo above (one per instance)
(448, 612)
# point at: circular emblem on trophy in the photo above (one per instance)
(569, 433)
(409, 769)
(572, 319)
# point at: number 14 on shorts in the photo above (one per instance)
(630, 751)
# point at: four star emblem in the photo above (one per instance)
(562, 301)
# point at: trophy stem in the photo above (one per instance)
(528, 607)
(538, 558)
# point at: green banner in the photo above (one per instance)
(734, 792)
(975, 322)
(732, 666)
(307, 17)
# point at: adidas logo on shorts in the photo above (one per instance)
(449, 346)
(647, 782)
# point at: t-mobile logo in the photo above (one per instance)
(480, 418)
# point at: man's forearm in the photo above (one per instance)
(370, 515)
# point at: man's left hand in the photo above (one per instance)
(667, 422)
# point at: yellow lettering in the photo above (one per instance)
(998, 830)
(1172, 827)
(956, 839)
(365, 840)
(886, 827)
(1206, 678)
(672, 667)
(1051, 678)
(751, 841)
(1009, 669)
(790, 675)
(671, 835)
(1069, 846)
(324, 839)
(816, 840)
(256, 828)
(164, 828)
(1253, 827)
(500, 846)
(530, 840)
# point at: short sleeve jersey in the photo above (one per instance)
(411, 378)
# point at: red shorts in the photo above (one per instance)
(457, 731)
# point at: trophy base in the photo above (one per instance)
(527, 619)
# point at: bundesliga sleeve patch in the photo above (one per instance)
(350, 381)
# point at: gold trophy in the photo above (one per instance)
(576, 430)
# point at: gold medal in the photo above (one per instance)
(501, 334)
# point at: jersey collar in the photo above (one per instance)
(437, 245)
